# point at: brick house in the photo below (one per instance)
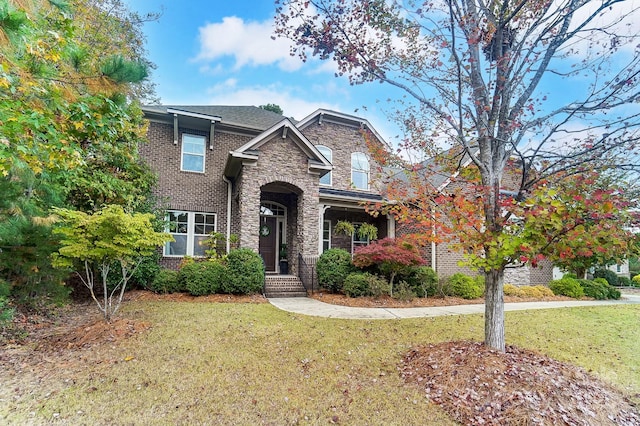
(275, 183)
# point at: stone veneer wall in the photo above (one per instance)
(280, 161)
(343, 141)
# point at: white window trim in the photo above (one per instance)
(356, 225)
(191, 220)
(330, 174)
(323, 239)
(367, 171)
(204, 153)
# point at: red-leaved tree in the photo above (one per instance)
(391, 256)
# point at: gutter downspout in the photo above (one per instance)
(229, 193)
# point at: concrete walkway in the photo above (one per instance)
(308, 306)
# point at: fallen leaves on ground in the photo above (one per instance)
(480, 386)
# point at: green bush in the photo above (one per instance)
(356, 284)
(200, 278)
(567, 287)
(636, 281)
(334, 265)
(624, 282)
(6, 311)
(464, 286)
(614, 293)
(595, 289)
(404, 292)
(166, 281)
(423, 281)
(538, 291)
(607, 274)
(245, 272)
(378, 286)
(146, 272)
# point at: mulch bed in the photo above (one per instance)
(479, 386)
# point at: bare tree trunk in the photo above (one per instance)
(494, 310)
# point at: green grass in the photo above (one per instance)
(252, 364)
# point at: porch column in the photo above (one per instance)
(321, 209)
(249, 209)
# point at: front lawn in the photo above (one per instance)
(231, 363)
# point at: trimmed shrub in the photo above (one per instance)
(404, 292)
(636, 281)
(536, 291)
(511, 290)
(595, 289)
(423, 281)
(607, 274)
(614, 293)
(464, 286)
(202, 278)
(166, 281)
(334, 265)
(601, 281)
(359, 284)
(356, 284)
(567, 287)
(624, 282)
(378, 286)
(246, 272)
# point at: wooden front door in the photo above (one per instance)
(268, 242)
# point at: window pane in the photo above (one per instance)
(360, 170)
(359, 161)
(193, 144)
(360, 180)
(193, 149)
(177, 222)
(198, 246)
(193, 163)
(326, 179)
(177, 248)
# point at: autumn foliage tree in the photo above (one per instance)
(543, 90)
(109, 238)
(70, 75)
(390, 256)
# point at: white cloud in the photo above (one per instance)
(249, 43)
(229, 93)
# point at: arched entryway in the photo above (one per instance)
(273, 234)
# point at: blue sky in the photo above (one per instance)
(221, 52)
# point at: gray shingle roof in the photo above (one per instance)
(243, 116)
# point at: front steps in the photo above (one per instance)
(283, 286)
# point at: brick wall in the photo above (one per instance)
(203, 192)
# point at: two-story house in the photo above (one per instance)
(274, 182)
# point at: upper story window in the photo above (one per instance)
(193, 150)
(189, 230)
(328, 154)
(360, 170)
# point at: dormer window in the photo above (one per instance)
(193, 150)
(328, 154)
(360, 170)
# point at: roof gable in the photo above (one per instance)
(285, 128)
(321, 115)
